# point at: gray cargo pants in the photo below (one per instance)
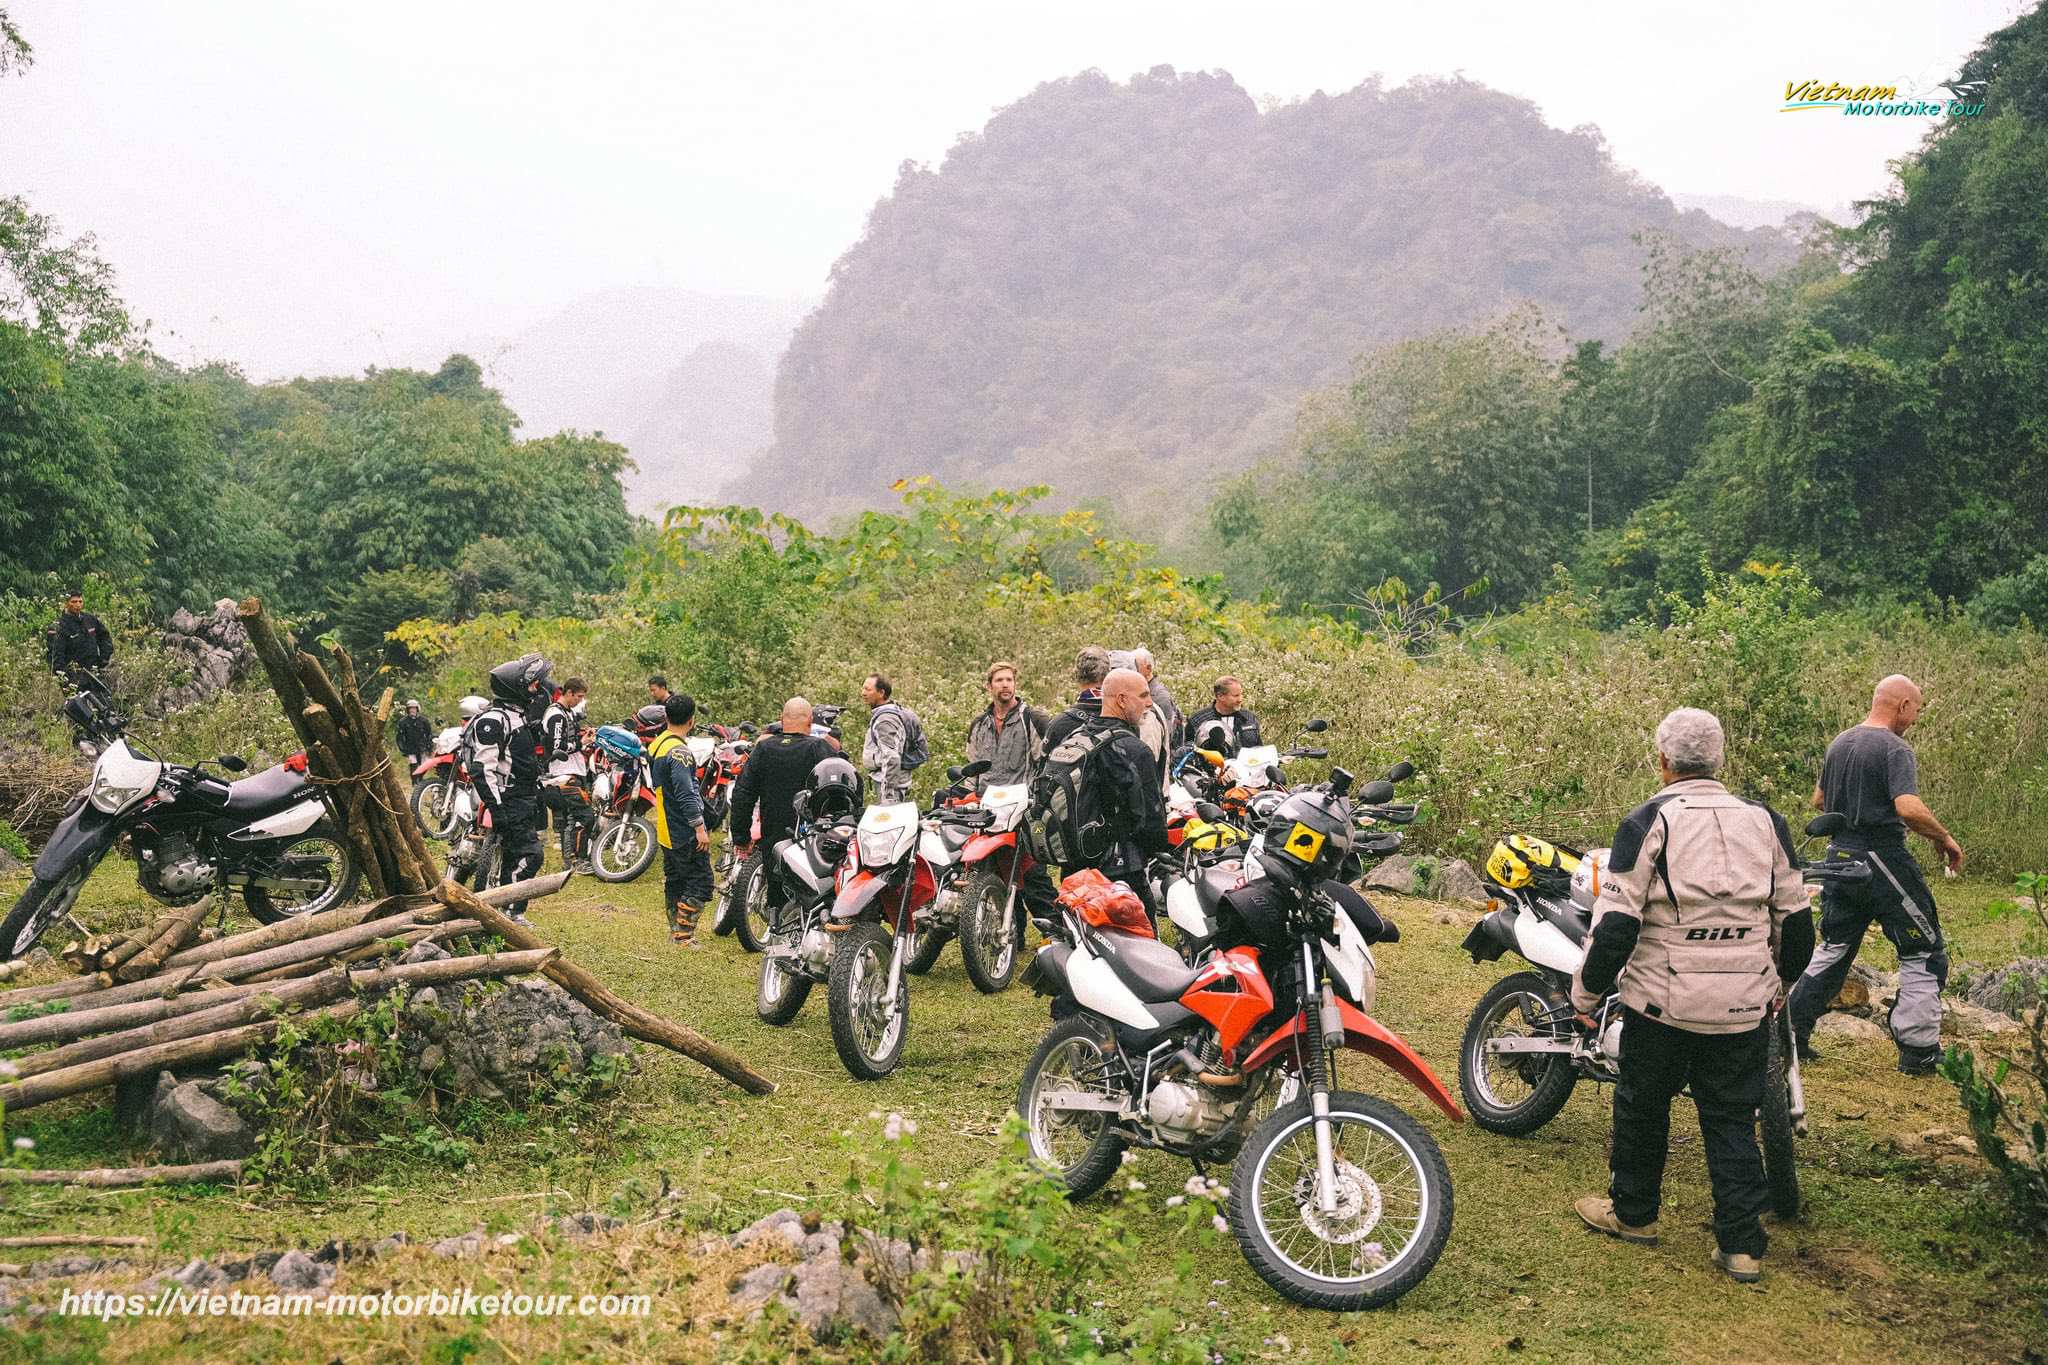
(1897, 897)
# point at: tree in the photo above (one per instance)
(16, 55)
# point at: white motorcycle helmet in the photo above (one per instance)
(471, 707)
(1586, 878)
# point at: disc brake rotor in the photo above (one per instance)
(1358, 1206)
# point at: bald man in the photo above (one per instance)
(1127, 786)
(778, 768)
(1872, 777)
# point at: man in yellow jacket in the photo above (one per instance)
(679, 821)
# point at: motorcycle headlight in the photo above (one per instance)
(120, 779)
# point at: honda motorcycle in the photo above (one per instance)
(443, 801)
(993, 862)
(1525, 1047)
(1338, 1199)
(624, 843)
(192, 833)
(796, 949)
(894, 873)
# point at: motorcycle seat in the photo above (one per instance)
(1574, 923)
(270, 790)
(1154, 972)
(1214, 882)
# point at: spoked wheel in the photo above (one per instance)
(931, 941)
(1513, 1093)
(39, 909)
(781, 992)
(991, 927)
(433, 806)
(622, 849)
(323, 860)
(867, 1027)
(1393, 1204)
(1774, 1115)
(722, 869)
(750, 924)
(1081, 1144)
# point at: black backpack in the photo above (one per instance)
(916, 753)
(1065, 826)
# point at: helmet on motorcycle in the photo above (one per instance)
(651, 717)
(472, 706)
(1309, 834)
(834, 792)
(1522, 861)
(519, 682)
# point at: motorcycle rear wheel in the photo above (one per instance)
(1512, 1095)
(342, 877)
(40, 908)
(931, 941)
(622, 849)
(723, 869)
(780, 993)
(868, 1031)
(1781, 1171)
(750, 902)
(1083, 1147)
(1394, 1212)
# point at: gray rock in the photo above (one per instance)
(508, 1042)
(296, 1272)
(821, 1244)
(39, 956)
(1849, 1026)
(64, 1267)
(1396, 874)
(396, 1242)
(468, 1244)
(2013, 989)
(1960, 1019)
(787, 1224)
(424, 951)
(198, 1274)
(187, 1121)
(833, 1299)
(578, 1225)
(1456, 881)
(759, 1285)
(9, 864)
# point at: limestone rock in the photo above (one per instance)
(185, 1121)
(1860, 990)
(757, 1286)
(787, 1224)
(1456, 881)
(833, 1299)
(296, 1272)
(467, 1244)
(508, 1042)
(2013, 989)
(1396, 874)
(1960, 1019)
(579, 1225)
(424, 951)
(1850, 1026)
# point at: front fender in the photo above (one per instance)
(857, 895)
(1362, 1033)
(998, 847)
(81, 838)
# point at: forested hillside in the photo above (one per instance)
(1124, 288)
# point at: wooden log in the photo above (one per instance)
(244, 967)
(344, 781)
(59, 1028)
(276, 660)
(180, 930)
(638, 1022)
(391, 943)
(252, 1002)
(302, 926)
(57, 990)
(184, 1052)
(387, 808)
(125, 1177)
(122, 953)
(61, 1239)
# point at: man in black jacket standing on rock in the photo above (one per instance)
(76, 641)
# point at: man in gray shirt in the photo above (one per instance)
(1871, 776)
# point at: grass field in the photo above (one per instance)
(1904, 1255)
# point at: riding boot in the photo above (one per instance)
(682, 923)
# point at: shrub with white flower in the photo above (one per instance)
(22, 1144)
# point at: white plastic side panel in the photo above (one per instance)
(1350, 961)
(1098, 988)
(296, 820)
(1184, 908)
(1543, 944)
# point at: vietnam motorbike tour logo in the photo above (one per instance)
(1873, 100)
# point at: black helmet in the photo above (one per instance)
(1309, 834)
(835, 790)
(651, 717)
(519, 681)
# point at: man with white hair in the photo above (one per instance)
(1176, 722)
(1871, 776)
(1701, 923)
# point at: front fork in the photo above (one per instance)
(1313, 1010)
(904, 942)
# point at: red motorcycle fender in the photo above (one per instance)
(1362, 1033)
(855, 897)
(989, 845)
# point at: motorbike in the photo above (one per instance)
(624, 843)
(192, 833)
(715, 779)
(796, 950)
(442, 800)
(1525, 1049)
(1247, 785)
(993, 863)
(1338, 1199)
(895, 871)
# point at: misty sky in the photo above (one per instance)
(296, 186)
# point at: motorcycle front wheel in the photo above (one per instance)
(723, 868)
(749, 895)
(320, 854)
(1082, 1145)
(1774, 1115)
(42, 906)
(867, 1029)
(622, 849)
(780, 992)
(1512, 1093)
(433, 806)
(990, 930)
(1393, 1211)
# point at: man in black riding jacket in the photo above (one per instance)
(1226, 713)
(1126, 786)
(1702, 924)
(77, 640)
(778, 768)
(505, 753)
(1090, 668)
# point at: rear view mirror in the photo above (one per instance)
(1401, 771)
(1372, 793)
(1315, 727)
(974, 769)
(232, 764)
(1826, 826)
(954, 774)
(1314, 753)
(1275, 776)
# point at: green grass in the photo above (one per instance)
(1902, 1257)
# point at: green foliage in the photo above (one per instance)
(11, 842)
(2006, 1100)
(376, 605)
(60, 292)
(2016, 599)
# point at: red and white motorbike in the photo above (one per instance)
(992, 864)
(1338, 1199)
(900, 864)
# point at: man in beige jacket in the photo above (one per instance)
(1701, 924)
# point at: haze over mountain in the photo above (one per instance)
(1127, 288)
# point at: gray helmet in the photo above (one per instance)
(472, 706)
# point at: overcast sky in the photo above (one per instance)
(293, 185)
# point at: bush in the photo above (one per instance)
(2015, 600)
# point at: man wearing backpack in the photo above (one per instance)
(895, 745)
(1098, 801)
